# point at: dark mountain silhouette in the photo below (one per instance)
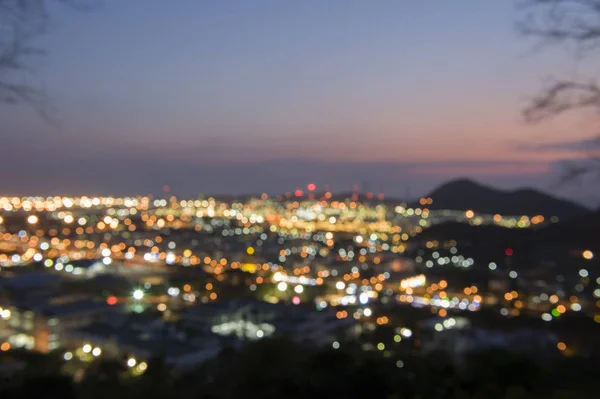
(580, 232)
(465, 194)
(573, 234)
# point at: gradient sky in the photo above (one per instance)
(268, 95)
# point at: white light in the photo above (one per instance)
(282, 286)
(277, 276)
(68, 356)
(575, 307)
(143, 366)
(37, 257)
(546, 317)
(367, 312)
(299, 289)
(6, 314)
(399, 364)
(96, 351)
(173, 291)
(406, 332)
(87, 348)
(260, 334)
(106, 252)
(513, 274)
(363, 298)
(138, 294)
(413, 282)
(340, 285)
(170, 258)
(44, 246)
(107, 261)
(583, 273)
(131, 362)
(492, 266)
(336, 345)
(438, 327)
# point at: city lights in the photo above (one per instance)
(282, 286)
(357, 259)
(138, 294)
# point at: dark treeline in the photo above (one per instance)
(279, 369)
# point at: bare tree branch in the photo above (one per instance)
(575, 23)
(554, 22)
(562, 96)
(563, 21)
(21, 22)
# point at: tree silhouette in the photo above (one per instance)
(576, 25)
(21, 22)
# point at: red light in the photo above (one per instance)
(509, 252)
(311, 187)
(166, 188)
(296, 300)
(299, 193)
(111, 300)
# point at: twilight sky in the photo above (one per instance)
(268, 95)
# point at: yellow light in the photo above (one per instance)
(469, 214)
(32, 219)
(587, 254)
(250, 250)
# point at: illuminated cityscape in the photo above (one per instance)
(77, 270)
(305, 199)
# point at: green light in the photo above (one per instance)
(555, 313)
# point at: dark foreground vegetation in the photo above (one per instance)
(279, 369)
